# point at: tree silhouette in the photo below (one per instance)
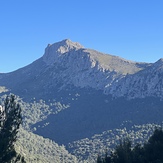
(150, 152)
(122, 152)
(154, 147)
(10, 120)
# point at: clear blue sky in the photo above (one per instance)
(131, 29)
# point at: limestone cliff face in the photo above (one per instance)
(54, 52)
(145, 83)
(85, 67)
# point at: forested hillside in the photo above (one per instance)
(150, 151)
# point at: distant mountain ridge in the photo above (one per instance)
(145, 83)
(69, 63)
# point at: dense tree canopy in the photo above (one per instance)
(150, 152)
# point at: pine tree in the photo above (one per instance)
(10, 120)
(99, 159)
(123, 152)
(154, 147)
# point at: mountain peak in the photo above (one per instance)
(68, 42)
(159, 63)
(65, 45)
(53, 51)
(160, 60)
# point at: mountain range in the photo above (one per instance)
(86, 92)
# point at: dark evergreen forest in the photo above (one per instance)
(149, 152)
